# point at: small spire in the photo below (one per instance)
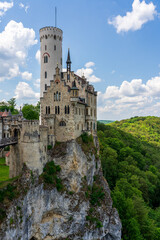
(68, 58)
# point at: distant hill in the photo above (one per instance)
(132, 169)
(144, 128)
(105, 121)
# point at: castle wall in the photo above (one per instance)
(34, 143)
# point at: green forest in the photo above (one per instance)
(130, 156)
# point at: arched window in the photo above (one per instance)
(45, 74)
(59, 96)
(68, 109)
(48, 110)
(54, 37)
(56, 96)
(62, 124)
(46, 37)
(45, 59)
(58, 110)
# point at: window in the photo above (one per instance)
(46, 37)
(45, 59)
(45, 87)
(91, 125)
(67, 109)
(54, 37)
(77, 126)
(45, 74)
(54, 47)
(68, 77)
(45, 47)
(54, 97)
(59, 96)
(56, 110)
(87, 125)
(48, 110)
(62, 124)
(94, 126)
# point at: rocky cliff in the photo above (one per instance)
(82, 209)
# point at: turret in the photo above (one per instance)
(51, 55)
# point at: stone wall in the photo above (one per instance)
(31, 148)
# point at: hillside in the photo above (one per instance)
(132, 169)
(145, 128)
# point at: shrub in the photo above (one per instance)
(49, 147)
(86, 138)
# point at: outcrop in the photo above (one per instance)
(82, 209)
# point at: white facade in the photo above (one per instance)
(51, 54)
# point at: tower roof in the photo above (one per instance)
(68, 58)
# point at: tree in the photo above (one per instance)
(30, 112)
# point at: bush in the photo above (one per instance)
(49, 147)
(86, 138)
(50, 175)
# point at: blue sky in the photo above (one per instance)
(116, 44)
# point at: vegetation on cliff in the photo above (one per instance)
(131, 167)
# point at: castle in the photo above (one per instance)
(68, 108)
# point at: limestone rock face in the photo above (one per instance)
(46, 214)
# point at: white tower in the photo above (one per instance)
(51, 55)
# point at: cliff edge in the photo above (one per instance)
(79, 206)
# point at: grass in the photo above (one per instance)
(4, 170)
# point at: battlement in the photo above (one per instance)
(51, 32)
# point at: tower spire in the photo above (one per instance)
(68, 61)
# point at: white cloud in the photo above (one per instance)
(141, 13)
(25, 7)
(132, 98)
(26, 75)
(88, 73)
(37, 83)
(89, 64)
(15, 42)
(4, 7)
(38, 56)
(24, 91)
